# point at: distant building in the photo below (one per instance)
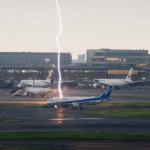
(81, 59)
(28, 59)
(100, 63)
(113, 58)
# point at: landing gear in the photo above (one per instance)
(81, 107)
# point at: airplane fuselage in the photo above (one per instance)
(36, 83)
(114, 82)
(80, 100)
(37, 90)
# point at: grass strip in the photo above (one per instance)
(125, 104)
(17, 105)
(78, 135)
(29, 148)
(121, 113)
(105, 104)
(9, 121)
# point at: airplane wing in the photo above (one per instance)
(46, 82)
(27, 84)
(65, 81)
(140, 82)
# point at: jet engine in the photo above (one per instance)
(76, 106)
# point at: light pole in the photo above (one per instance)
(46, 63)
(124, 61)
(33, 77)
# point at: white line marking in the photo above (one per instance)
(67, 119)
(90, 118)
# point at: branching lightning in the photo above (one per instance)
(58, 45)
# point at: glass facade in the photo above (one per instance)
(21, 60)
(117, 58)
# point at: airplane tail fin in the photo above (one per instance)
(50, 74)
(106, 93)
(129, 75)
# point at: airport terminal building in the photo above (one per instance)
(100, 63)
(115, 58)
(29, 59)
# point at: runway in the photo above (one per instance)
(49, 119)
(44, 119)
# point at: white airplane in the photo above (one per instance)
(115, 82)
(37, 83)
(32, 91)
(77, 102)
(38, 91)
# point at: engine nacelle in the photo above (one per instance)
(75, 105)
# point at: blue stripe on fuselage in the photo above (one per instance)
(83, 100)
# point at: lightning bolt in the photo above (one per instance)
(58, 45)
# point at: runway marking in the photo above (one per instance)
(90, 118)
(69, 119)
(62, 119)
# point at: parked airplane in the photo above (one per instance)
(115, 82)
(77, 102)
(37, 83)
(32, 91)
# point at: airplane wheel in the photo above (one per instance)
(81, 108)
